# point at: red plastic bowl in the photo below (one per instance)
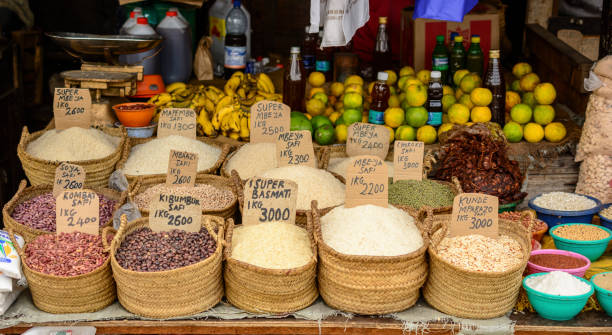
(135, 114)
(534, 268)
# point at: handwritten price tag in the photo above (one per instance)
(77, 210)
(72, 108)
(295, 148)
(68, 177)
(475, 213)
(367, 182)
(367, 139)
(269, 200)
(175, 211)
(182, 168)
(408, 160)
(177, 121)
(268, 120)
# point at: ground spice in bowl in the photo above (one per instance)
(604, 281)
(554, 261)
(581, 232)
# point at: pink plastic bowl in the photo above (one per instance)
(534, 268)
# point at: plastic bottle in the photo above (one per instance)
(216, 18)
(323, 57)
(451, 41)
(152, 64)
(434, 99)
(178, 13)
(235, 41)
(494, 81)
(382, 51)
(439, 58)
(176, 49)
(380, 99)
(131, 21)
(474, 61)
(294, 82)
(309, 48)
(457, 57)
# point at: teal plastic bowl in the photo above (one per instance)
(554, 307)
(603, 296)
(590, 249)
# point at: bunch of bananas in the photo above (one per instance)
(225, 112)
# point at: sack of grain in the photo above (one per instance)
(55, 147)
(483, 287)
(595, 177)
(367, 281)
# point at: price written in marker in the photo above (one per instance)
(408, 160)
(182, 168)
(177, 121)
(68, 177)
(295, 148)
(175, 211)
(268, 120)
(269, 200)
(367, 139)
(77, 210)
(367, 180)
(72, 108)
(475, 213)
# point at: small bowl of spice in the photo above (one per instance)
(605, 216)
(547, 260)
(603, 290)
(527, 219)
(556, 208)
(586, 239)
(134, 114)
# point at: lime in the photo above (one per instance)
(555, 132)
(321, 96)
(543, 114)
(533, 132)
(416, 116)
(521, 113)
(301, 124)
(405, 133)
(341, 133)
(427, 134)
(295, 114)
(352, 100)
(320, 120)
(513, 132)
(528, 98)
(351, 116)
(325, 135)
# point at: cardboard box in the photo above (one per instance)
(418, 37)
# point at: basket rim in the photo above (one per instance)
(453, 187)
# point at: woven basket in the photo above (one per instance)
(216, 181)
(260, 290)
(370, 285)
(455, 187)
(469, 294)
(84, 293)
(339, 151)
(26, 193)
(42, 172)
(179, 292)
(131, 142)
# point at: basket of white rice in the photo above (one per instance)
(270, 267)
(96, 150)
(371, 258)
(313, 184)
(149, 157)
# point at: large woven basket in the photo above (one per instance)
(26, 193)
(370, 285)
(259, 290)
(131, 142)
(84, 293)
(42, 172)
(470, 294)
(219, 182)
(164, 294)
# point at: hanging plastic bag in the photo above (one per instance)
(10, 264)
(203, 62)
(341, 19)
(443, 9)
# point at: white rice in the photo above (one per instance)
(73, 144)
(253, 159)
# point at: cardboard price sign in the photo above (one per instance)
(367, 139)
(182, 168)
(68, 177)
(269, 200)
(268, 120)
(295, 148)
(77, 210)
(177, 121)
(72, 108)
(408, 160)
(475, 213)
(175, 211)
(367, 182)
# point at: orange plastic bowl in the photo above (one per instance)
(134, 114)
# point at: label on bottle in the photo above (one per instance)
(235, 57)
(309, 62)
(376, 117)
(435, 113)
(322, 65)
(440, 63)
(216, 27)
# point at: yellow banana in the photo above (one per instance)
(231, 85)
(207, 126)
(238, 74)
(235, 121)
(265, 83)
(244, 128)
(225, 101)
(259, 98)
(209, 106)
(241, 93)
(268, 96)
(175, 86)
(235, 136)
(220, 114)
(162, 99)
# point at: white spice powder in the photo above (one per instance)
(558, 283)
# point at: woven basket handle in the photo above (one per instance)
(428, 163)
(227, 252)
(312, 216)
(211, 230)
(457, 184)
(121, 230)
(325, 154)
(24, 134)
(132, 191)
(19, 250)
(238, 188)
(105, 231)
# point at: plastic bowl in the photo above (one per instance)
(554, 307)
(134, 114)
(604, 297)
(139, 132)
(535, 268)
(604, 221)
(591, 249)
(553, 217)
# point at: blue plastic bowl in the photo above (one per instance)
(554, 307)
(553, 218)
(605, 221)
(603, 296)
(590, 249)
(140, 132)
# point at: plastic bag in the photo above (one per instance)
(597, 129)
(8, 298)
(118, 181)
(10, 264)
(341, 19)
(6, 284)
(443, 9)
(203, 62)
(595, 177)
(130, 210)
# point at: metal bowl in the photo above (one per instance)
(107, 45)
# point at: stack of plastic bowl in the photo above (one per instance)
(555, 307)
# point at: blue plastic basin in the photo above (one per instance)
(553, 217)
(605, 221)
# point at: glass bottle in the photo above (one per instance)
(439, 58)
(294, 82)
(382, 52)
(309, 48)
(380, 99)
(235, 41)
(434, 99)
(474, 61)
(494, 81)
(457, 57)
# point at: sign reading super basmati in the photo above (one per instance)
(269, 200)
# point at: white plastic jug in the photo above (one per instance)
(152, 64)
(216, 19)
(131, 21)
(176, 48)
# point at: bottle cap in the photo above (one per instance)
(142, 20)
(132, 14)
(236, 3)
(382, 75)
(440, 38)
(493, 53)
(436, 74)
(382, 20)
(475, 38)
(459, 38)
(171, 13)
(295, 50)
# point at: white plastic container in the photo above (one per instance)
(131, 21)
(216, 30)
(176, 48)
(151, 65)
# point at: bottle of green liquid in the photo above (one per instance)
(439, 58)
(475, 58)
(457, 57)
